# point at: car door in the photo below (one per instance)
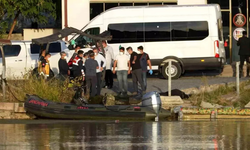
(15, 56)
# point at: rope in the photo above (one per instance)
(11, 92)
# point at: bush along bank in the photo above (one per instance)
(221, 95)
(221, 102)
(54, 89)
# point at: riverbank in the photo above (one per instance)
(10, 110)
(206, 96)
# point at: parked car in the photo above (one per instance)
(22, 56)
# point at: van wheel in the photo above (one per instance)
(175, 70)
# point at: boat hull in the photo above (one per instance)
(52, 110)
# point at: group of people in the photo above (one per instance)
(88, 68)
(137, 65)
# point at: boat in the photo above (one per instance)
(150, 109)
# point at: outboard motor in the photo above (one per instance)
(153, 101)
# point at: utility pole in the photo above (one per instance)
(247, 18)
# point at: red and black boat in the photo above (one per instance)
(149, 110)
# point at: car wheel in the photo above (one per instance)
(175, 70)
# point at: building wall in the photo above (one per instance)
(78, 13)
(29, 34)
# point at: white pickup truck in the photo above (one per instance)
(23, 55)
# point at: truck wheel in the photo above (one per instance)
(175, 70)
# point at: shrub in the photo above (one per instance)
(54, 89)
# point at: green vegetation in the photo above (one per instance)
(53, 89)
(223, 95)
(213, 97)
(35, 10)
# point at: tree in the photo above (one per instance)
(36, 10)
(3, 23)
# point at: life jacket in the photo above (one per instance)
(70, 63)
(47, 67)
(75, 61)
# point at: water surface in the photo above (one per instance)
(80, 135)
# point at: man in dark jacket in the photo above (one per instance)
(70, 63)
(244, 51)
(77, 67)
(63, 67)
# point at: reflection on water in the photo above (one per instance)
(54, 135)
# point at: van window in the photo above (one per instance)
(186, 31)
(35, 48)
(126, 32)
(53, 48)
(83, 41)
(11, 50)
(220, 31)
(157, 31)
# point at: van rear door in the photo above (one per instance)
(221, 40)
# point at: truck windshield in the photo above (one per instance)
(84, 41)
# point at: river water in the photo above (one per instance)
(114, 135)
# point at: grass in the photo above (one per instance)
(53, 89)
(243, 99)
(223, 95)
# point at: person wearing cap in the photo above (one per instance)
(102, 64)
(64, 71)
(244, 52)
(109, 55)
(145, 62)
(123, 69)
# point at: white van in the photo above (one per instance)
(190, 36)
(21, 56)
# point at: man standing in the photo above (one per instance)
(70, 63)
(63, 67)
(145, 62)
(136, 73)
(244, 51)
(101, 63)
(78, 68)
(122, 63)
(91, 79)
(109, 54)
(45, 70)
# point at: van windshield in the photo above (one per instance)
(84, 41)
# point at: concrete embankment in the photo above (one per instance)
(10, 110)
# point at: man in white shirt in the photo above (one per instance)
(109, 54)
(101, 63)
(122, 63)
